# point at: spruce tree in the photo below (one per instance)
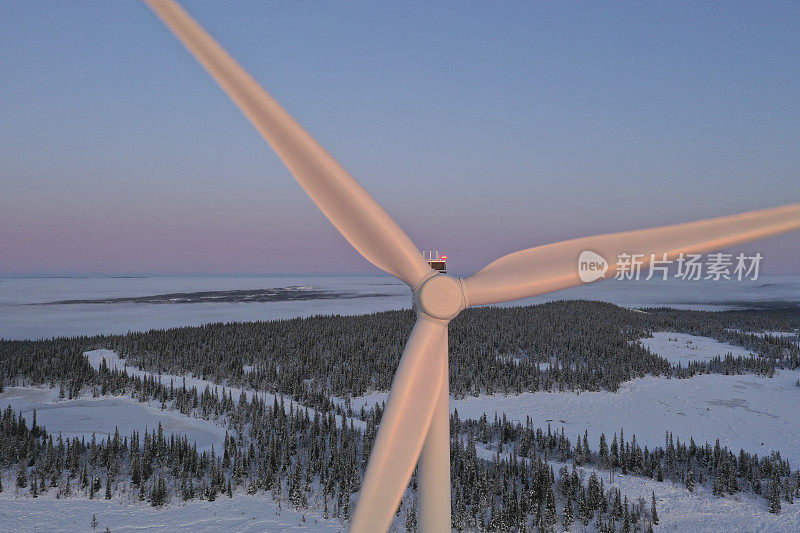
(136, 475)
(569, 517)
(626, 522)
(775, 494)
(22, 475)
(616, 507)
(550, 516)
(587, 454)
(158, 494)
(584, 509)
(653, 513)
(603, 450)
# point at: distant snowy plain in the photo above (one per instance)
(24, 315)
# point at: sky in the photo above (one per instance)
(482, 128)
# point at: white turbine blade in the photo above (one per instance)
(555, 266)
(404, 425)
(433, 473)
(347, 205)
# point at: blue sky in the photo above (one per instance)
(483, 128)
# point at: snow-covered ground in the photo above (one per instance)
(701, 511)
(746, 411)
(680, 510)
(101, 416)
(86, 415)
(682, 348)
(113, 360)
(243, 513)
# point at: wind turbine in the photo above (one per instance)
(415, 425)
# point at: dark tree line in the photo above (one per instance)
(567, 345)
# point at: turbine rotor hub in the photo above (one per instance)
(441, 296)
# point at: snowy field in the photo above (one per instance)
(682, 348)
(756, 413)
(101, 416)
(244, 513)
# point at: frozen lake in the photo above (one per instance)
(25, 314)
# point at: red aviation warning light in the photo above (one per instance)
(436, 261)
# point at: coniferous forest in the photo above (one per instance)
(308, 449)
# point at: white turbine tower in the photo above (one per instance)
(415, 424)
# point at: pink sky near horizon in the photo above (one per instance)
(481, 131)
